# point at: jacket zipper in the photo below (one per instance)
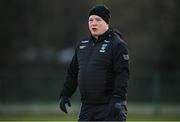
(90, 54)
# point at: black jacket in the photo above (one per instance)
(100, 68)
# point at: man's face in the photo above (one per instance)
(97, 25)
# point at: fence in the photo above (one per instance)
(33, 83)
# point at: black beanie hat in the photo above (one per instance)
(102, 11)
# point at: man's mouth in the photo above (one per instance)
(94, 29)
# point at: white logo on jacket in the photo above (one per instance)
(82, 47)
(103, 48)
(106, 41)
(126, 57)
(85, 41)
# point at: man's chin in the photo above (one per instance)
(95, 35)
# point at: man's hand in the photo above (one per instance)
(115, 106)
(62, 104)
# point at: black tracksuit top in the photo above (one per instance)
(100, 68)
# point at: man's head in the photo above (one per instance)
(99, 17)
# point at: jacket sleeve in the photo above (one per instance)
(70, 84)
(121, 70)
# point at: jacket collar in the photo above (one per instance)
(108, 33)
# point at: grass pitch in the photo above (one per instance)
(71, 117)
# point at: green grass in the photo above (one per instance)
(70, 117)
(153, 118)
(44, 117)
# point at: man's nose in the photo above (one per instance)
(94, 23)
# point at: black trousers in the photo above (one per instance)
(100, 113)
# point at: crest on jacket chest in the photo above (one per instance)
(103, 47)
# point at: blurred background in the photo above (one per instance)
(37, 42)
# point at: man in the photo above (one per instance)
(100, 67)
